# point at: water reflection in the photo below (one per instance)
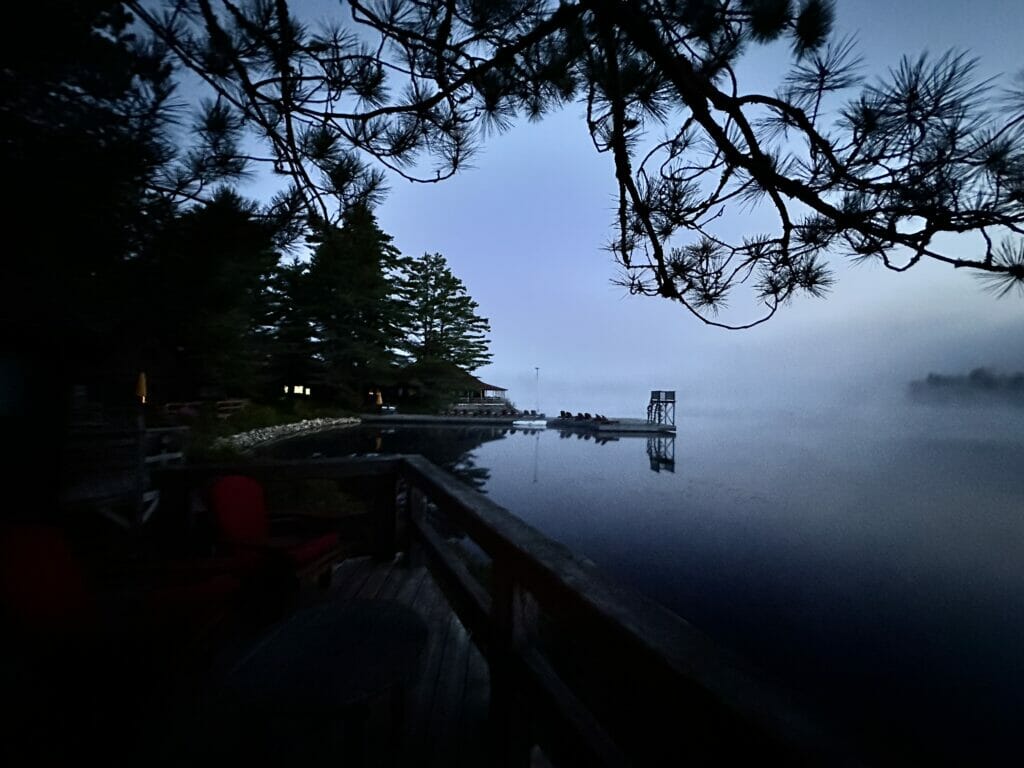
(866, 556)
(452, 447)
(449, 447)
(661, 450)
(586, 434)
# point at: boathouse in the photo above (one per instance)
(436, 384)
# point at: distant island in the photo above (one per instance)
(980, 385)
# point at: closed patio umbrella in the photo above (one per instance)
(140, 387)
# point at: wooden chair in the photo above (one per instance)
(245, 530)
(88, 658)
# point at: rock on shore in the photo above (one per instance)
(248, 440)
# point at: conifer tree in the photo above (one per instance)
(288, 329)
(205, 278)
(442, 319)
(357, 318)
(82, 121)
(106, 171)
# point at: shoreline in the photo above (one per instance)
(246, 441)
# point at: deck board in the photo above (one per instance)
(444, 722)
(379, 574)
(347, 580)
(441, 742)
(423, 698)
(473, 726)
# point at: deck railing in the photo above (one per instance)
(593, 673)
(224, 409)
(107, 467)
(489, 400)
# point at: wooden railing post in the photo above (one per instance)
(415, 507)
(174, 516)
(384, 504)
(513, 617)
(403, 504)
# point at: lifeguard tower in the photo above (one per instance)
(662, 407)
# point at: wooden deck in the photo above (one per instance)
(444, 720)
(529, 651)
(446, 717)
(577, 668)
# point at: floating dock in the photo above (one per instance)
(532, 422)
(610, 427)
(614, 426)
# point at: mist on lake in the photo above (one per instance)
(852, 542)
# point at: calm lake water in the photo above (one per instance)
(870, 556)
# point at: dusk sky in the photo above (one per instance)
(524, 229)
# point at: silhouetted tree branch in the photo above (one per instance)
(884, 170)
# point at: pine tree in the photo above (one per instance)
(205, 279)
(443, 323)
(105, 176)
(288, 329)
(357, 318)
(82, 121)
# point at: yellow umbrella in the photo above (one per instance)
(140, 387)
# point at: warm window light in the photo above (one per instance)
(286, 389)
(297, 389)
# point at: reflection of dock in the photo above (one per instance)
(661, 450)
(614, 426)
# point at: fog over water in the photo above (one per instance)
(868, 549)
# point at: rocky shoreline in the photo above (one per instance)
(248, 440)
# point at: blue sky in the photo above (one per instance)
(524, 229)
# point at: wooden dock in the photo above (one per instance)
(533, 657)
(440, 720)
(613, 426)
(445, 717)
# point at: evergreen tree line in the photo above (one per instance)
(227, 316)
(129, 249)
(361, 314)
